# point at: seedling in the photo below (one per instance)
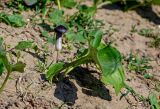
(155, 103)
(146, 32)
(148, 76)
(156, 42)
(133, 29)
(150, 33)
(107, 58)
(137, 64)
(40, 66)
(14, 20)
(83, 28)
(5, 64)
(134, 93)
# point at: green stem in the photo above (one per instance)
(82, 60)
(76, 63)
(59, 4)
(5, 81)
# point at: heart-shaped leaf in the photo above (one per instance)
(116, 79)
(109, 60)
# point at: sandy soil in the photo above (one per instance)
(79, 90)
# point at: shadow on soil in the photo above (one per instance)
(35, 55)
(41, 58)
(149, 14)
(67, 91)
(115, 6)
(144, 12)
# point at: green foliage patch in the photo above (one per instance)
(15, 20)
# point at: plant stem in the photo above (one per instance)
(5, 81)
(57, 57)
(59, 4)
(72, 65)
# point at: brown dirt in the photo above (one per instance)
(79, 90)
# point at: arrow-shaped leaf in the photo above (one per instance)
(109, 60)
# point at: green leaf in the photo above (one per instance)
(148, 76)
(24, 45)
(97, 34)
(19, 67)
(116, 79)
(88, 10)
(79, 37)
(101, 46)
(109, 60)
(45, 34)
(70, 35)
(56, 17)
(16, 20)
(50, 39)
(5, 61)
(68, 4)
(53, 70)
(75, 37)
(153, 101)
